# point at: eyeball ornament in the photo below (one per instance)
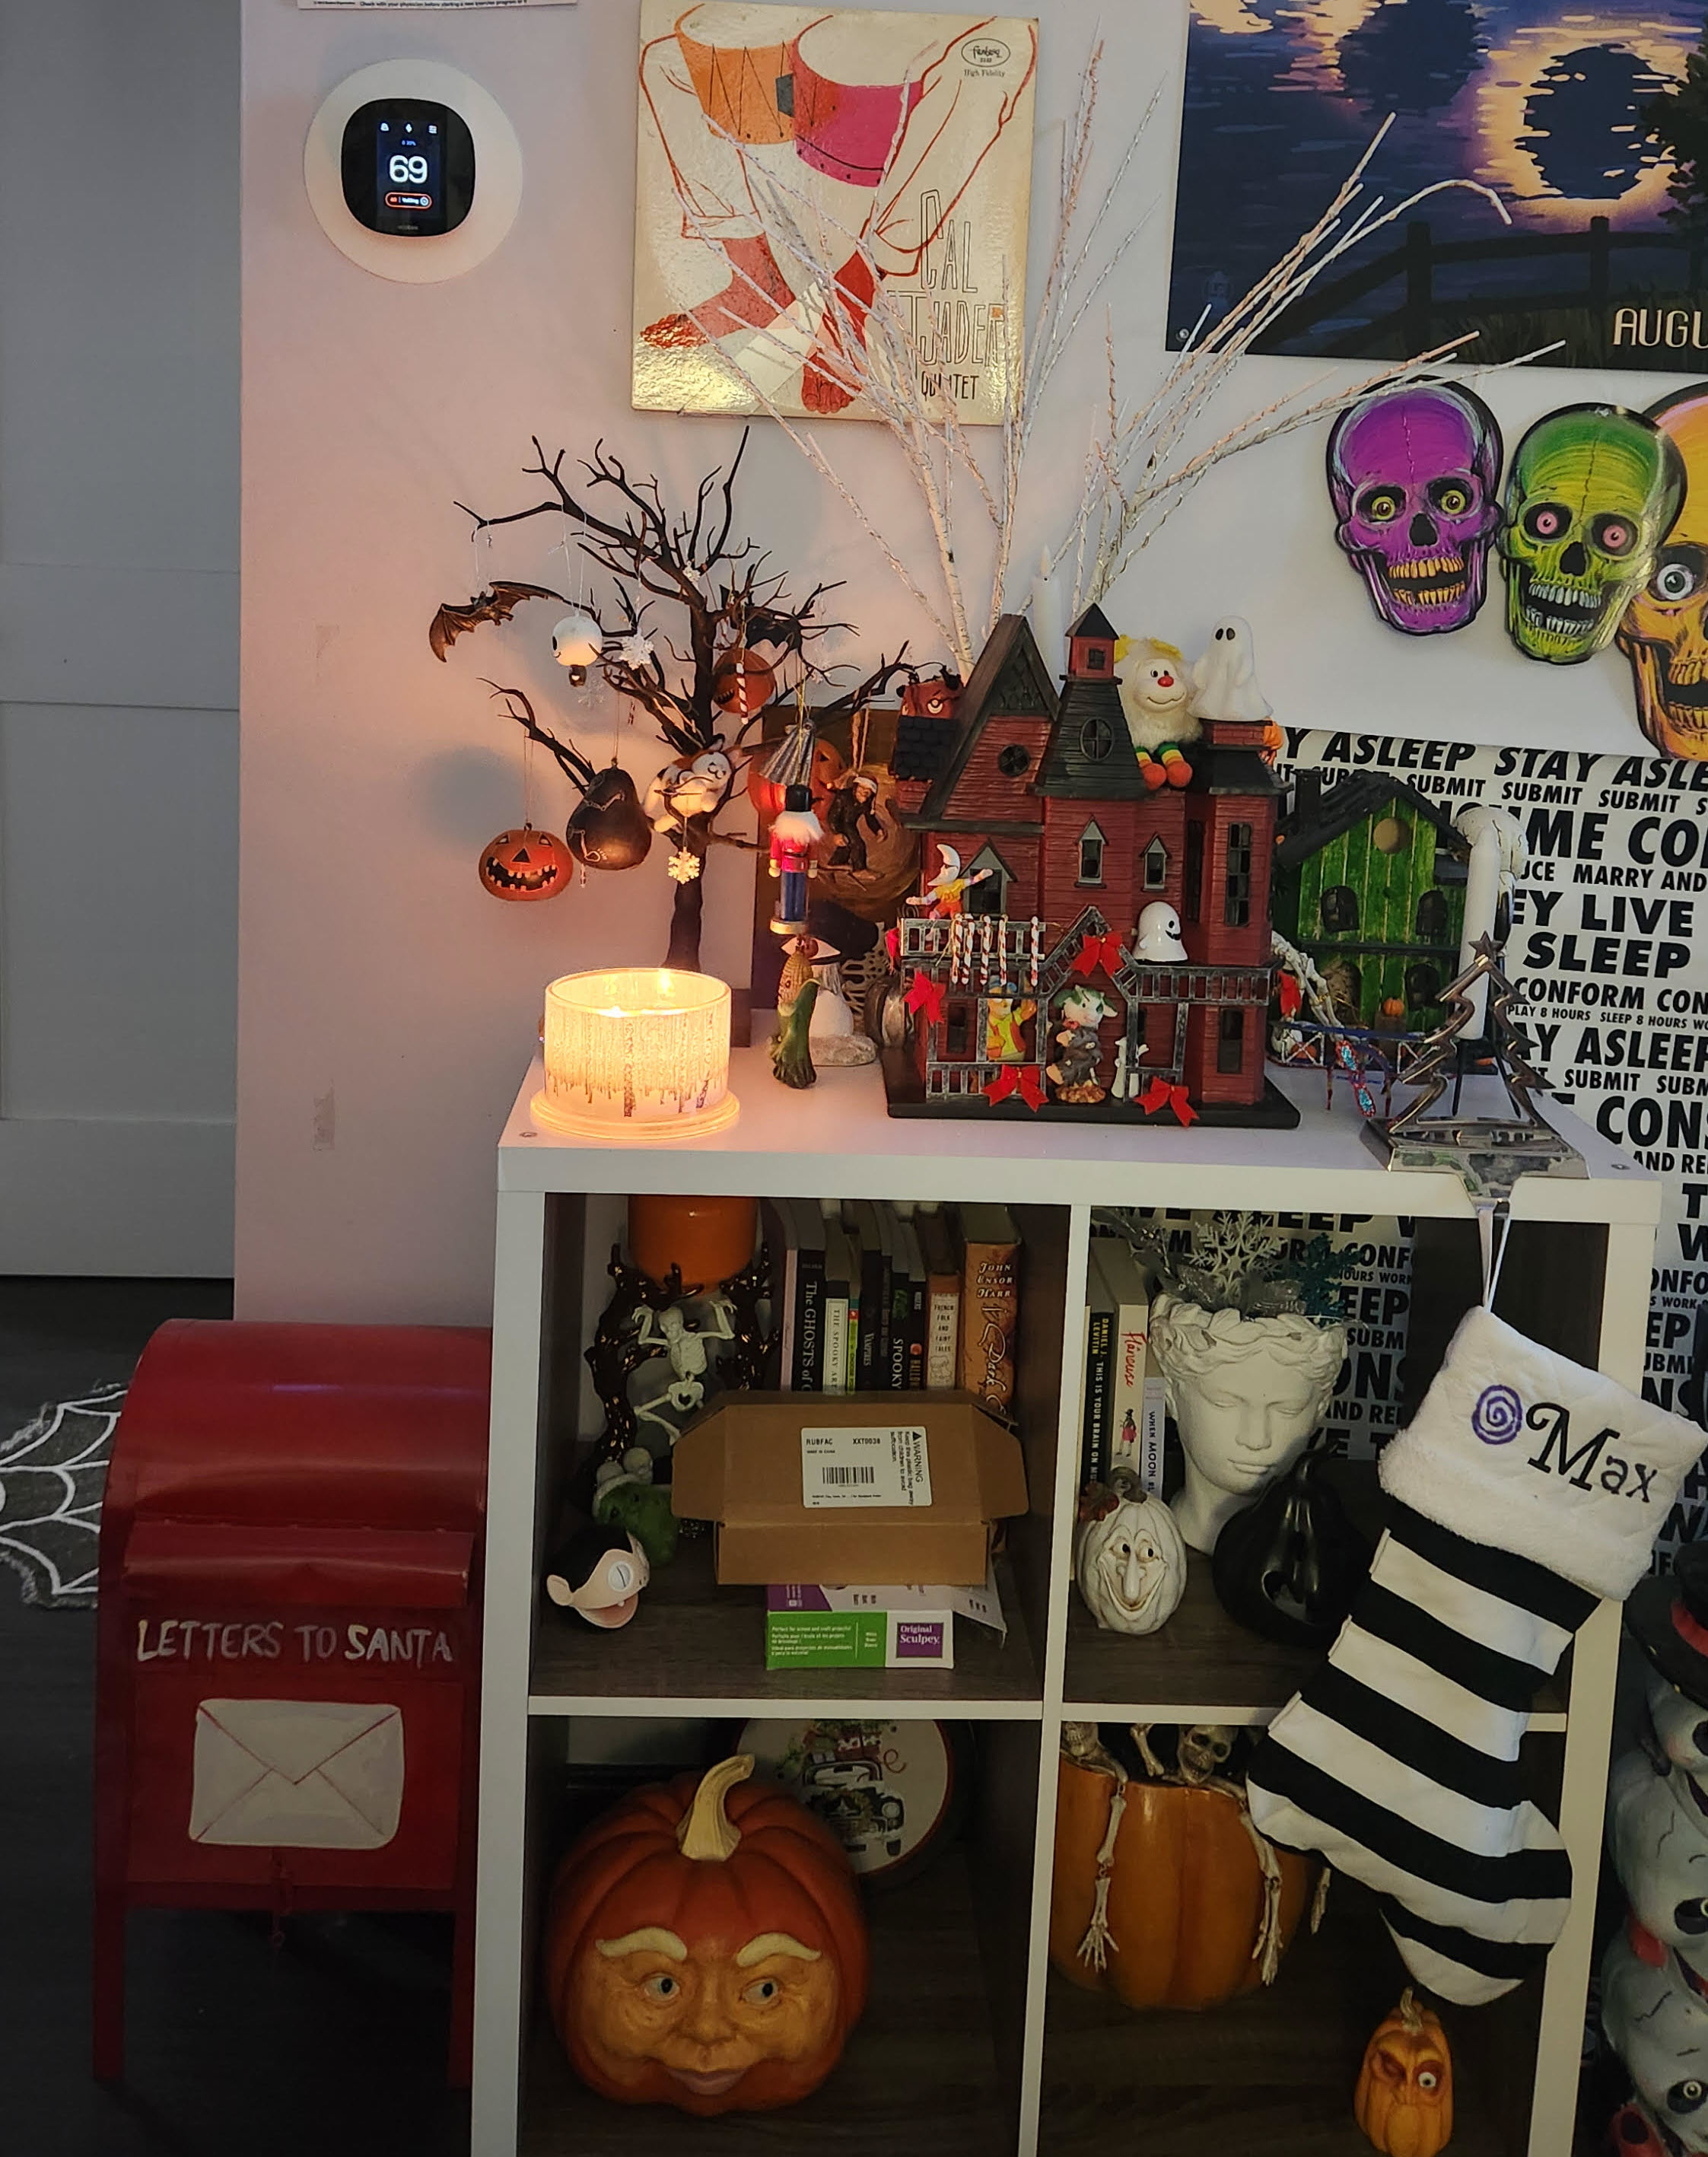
(577, 642)
(1130, 1562)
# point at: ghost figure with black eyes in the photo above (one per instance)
(1414, 474)
(1224, 680)
(1657, 2022)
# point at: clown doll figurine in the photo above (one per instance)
(795, 833)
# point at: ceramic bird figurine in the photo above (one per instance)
(1156, 694)
(1225, 681)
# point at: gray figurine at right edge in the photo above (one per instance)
(1225, 680)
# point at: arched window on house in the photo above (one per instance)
(1157, 866)
(989, 893)
(1091, 854)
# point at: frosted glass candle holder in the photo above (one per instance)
(637, 1054)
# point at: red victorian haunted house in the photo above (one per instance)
(1086, 938)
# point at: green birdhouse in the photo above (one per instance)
(1370, 879)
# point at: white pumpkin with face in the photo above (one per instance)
(1131, 1566)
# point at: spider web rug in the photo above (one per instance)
(52, 1475)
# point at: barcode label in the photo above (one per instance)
(890, 1465)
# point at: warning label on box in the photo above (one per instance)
(879, 1467)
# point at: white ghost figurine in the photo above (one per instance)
(1156, 692)
(1160, 933)
(1224, 681)
(680, 791)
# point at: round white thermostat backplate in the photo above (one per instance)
(497, 173)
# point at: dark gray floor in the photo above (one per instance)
(331, 2047)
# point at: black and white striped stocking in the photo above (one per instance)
(1526, 1488)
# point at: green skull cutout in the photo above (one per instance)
(1592, 492)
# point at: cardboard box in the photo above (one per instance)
(877, 1629)
(862, 1490)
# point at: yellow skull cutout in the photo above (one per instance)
(1663, 634)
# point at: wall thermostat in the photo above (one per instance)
(409, 166)
(412, 170)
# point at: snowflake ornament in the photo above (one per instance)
(634, 651)
(684, 866)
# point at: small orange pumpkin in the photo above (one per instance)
(1183, 1916)
(705, 1947)
(1404, 2097)
(526, 864)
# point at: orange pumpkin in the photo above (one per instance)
(526, 864)
(766, 795)
(705, 1947)
(1404, 2097)
(1184, 1917)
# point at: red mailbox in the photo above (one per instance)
(288, 1684)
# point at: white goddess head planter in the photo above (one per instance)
(1130, 1563)
(1245, 1393)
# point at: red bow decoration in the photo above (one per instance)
(924, 996)
(1095, 951)
(1159, 1094)
(1025, 1080)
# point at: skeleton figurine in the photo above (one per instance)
(686, 1344)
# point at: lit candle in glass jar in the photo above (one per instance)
(637, 1053)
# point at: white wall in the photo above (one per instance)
(374, 970)
(118, 635)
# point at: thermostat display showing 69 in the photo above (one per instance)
(413, 171)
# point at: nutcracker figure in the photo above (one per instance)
(795, 833)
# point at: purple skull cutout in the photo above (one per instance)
(1414, 474)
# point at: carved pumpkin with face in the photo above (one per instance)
(705, 1947)
(526, 864)
(1404, 2098)
(1129, 1562)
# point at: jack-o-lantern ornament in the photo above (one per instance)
(705, 1947)
(743, 683)
(1404, 2098)
(1129, 1560)
(931, 697)
(766, 794)
(526, 864)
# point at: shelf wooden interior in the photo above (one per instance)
(1272, 2073)
(693, 1640)
(1204, 1659)
(933, 2067)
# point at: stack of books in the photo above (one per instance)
(874, 1296)
(1125, 1411)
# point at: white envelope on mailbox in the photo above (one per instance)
(297, 1774)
